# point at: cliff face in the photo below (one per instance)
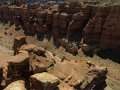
(93, 30)
(110, 37)
(103, 29)
(69, 23)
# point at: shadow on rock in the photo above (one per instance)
(110, 54)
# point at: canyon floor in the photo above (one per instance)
(8, 33)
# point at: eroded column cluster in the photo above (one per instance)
(70, 24)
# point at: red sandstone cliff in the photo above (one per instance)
(97, 26)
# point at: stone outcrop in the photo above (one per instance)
(18, 66)
(96, 26)
(17, 85)
(18, 42)
(110, 33)
(36, 68)
(102, 30)
(93, 30)
(44, 81)
(18, 2)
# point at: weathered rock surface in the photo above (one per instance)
(44, 81)
(76, 75)
(110, 33)
(47, 71)
(18, 66)
(17, 2)
(102, 29)
(69, 24)
(18, 42)
(17, 85)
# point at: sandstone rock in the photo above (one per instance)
(63, 20)
(17, 2)
(5, 12)
(33, 49)
(18, 66)
(38, 67)
(40, 64)
(17, 85)
(44, 81)
(56, 25)
(78, 21)
(110, 33)
(94, 29)
(12, 13)
(65, 86)
(79, 76)
(63, 42)
(1, 74)
(41, 22)
(88, 50)
(71, 8)
(102, 70)
(33, 5)
(72, 48)
(49, 19)
(18, 42)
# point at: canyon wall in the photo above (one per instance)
(70, 23)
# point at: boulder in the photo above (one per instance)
(44, 81)
(18, 65)
(33, 49)
(40, 64)
(87, 50)
(38, 67)
(72, 48)
(16, 85)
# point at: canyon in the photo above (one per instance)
(70, 24)
(46, 39)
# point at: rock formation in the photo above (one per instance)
(72, 22)
(45, 71)
(17, 85)
(44, 81)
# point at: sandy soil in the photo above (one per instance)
(8, 33)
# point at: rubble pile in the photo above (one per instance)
(69, 22)
(34, 68)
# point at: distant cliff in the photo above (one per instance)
(71, 24)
